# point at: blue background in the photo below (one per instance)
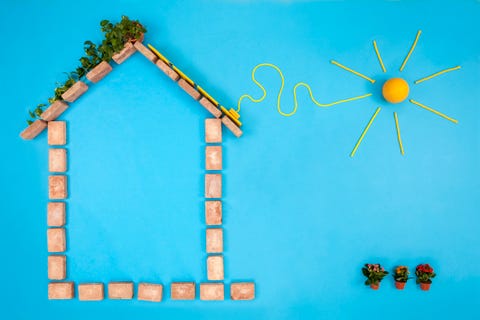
(301, 217)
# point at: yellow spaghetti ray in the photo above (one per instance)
(411, 50)
(399, 136)
(379, 57)
(352, 71)
(438, 113)
(279, 96)
(364, 132)
(436, 74)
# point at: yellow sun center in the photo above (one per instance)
(395, 90)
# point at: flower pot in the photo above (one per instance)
(140, 39)
(425, 286)
(400, 285)
(375, 286)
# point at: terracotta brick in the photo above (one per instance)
(146, 52)
(57, 160)
(56, 214)
(150, 292)
(213, 158)
(182, 291)
(99, 72)
(56, 240)
(207, 104)
(212, 291)
(213, 130)
(57, 267)
(57, 187)
(167, 70)
(120, 290)
(33, 130)
(232, 126)
(61, 290)
(213, 212)
(213, 185)
(242, 291)
(214, 240)
(189, 89)
(215, 268)
(125, 53)
(57, 133)
(54, 110)
(75, 91)
(91, 292)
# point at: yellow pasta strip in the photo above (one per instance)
(379, 57)
(436, 74)
(438, 113)
(208, 96)
(352, 154)
(183, 75)
(352, 71)
(158, 54)
(411, 50)
(399, 136)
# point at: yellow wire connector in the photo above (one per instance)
(232, 114)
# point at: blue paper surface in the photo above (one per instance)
(300, 216)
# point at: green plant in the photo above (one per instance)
(424, 273)
(401, 274)
(116, 36)
(374, 273)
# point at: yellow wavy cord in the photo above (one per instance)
(436, 74)
(352, 71)
(279, 96)
(411, 50)
(379, 57)
(399, 136)
(365, 132)
(438, 113)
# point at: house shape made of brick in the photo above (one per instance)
(60, 286)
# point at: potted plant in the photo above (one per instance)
(116, 37)
(400, 275)
(374, 273)
(424, 274)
